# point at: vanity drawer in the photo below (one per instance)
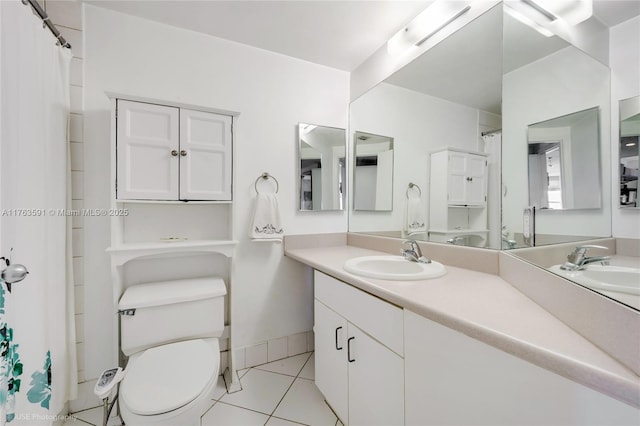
(381, 320)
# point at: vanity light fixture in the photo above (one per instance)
(630, 144)
(528, 21)
(571, 11)
(308, 128)
(431, 20)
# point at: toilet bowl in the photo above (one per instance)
(171, 337)
(170, 385)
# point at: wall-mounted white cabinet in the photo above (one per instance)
(169, 153)
(458, 196)
(358, 359)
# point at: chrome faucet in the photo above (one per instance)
(414, 254)
(508, 244)
(577, 259)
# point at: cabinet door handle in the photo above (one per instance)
(183, 153)
(174, 153)
(349, 349)
(338, 348)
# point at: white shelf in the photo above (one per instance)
(179, 202)
(125, 252)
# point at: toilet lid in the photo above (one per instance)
(167, 377)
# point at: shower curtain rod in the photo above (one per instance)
(45, 20)
(490, 132)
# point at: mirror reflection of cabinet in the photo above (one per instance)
(629, 149)
(373, 172)
(322, 167)
(458, 197)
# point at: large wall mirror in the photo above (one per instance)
(483, 89)
(446, 98)
(564, 162)
(629, 149)
(322, 167)
(554, 93)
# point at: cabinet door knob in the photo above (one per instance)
(338, 348)
(469, 179)
(183, 153)
(174, 152)
(349, 349)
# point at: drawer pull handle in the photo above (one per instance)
(349, 349)
(338, 348)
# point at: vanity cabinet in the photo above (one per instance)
(359, 353)
(170, 153)
(454, 379)
(458, 196)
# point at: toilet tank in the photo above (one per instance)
(158, 313)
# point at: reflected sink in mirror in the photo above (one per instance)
(394, 268)
(618, 282)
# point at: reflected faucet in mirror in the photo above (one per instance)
(577, 259)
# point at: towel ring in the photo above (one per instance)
(266, 176)
(413, 185)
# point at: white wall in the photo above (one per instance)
(564, 82)
(271, 295)
(625, 83)
(418, 124)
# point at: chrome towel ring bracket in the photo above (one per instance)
(411, 186)
(266, 176)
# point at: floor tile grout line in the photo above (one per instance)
(288, 420)
(289, 388)
(244, 408)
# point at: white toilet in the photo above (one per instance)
(170, 330)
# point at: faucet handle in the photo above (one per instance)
(583, 248)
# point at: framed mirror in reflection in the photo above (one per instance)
(372, 172)
(322, 167)
(449, 97)
(564, 162)
(629, 150)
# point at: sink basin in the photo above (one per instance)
(617, 279)
(395, 268)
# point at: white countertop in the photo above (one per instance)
(487, 308)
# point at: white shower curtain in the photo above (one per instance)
(37, 334)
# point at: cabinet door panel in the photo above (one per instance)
(376, 382)
(205, 167)
(147, 134)
(331, 358)
(457, 179)
(477, 185)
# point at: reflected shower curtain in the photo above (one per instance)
(37, 335)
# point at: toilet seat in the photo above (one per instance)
(167, 377)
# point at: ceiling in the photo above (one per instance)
(339, 34)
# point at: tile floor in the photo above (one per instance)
(278, 393)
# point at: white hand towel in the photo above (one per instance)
(414, 217)
(266, 225)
